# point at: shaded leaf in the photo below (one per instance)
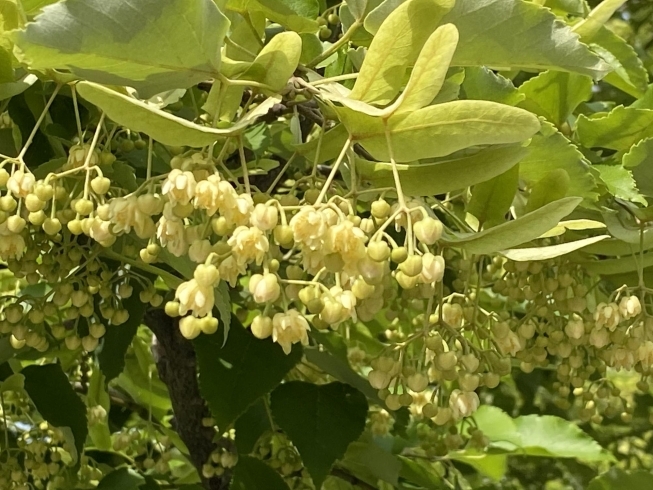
(639, 160)
(118, 338)
(253, 474)
(428, 179)
(289, 14)
(331, 417)
(551, 187)
(366, 458)
(160, 125)
(121, 479)
(56, 401)
(616, 479)
(150, 45)
(233, 377)
(550, 150)
(514, 233)
(492, 199)
(250, 426)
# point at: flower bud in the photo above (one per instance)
(264, 288)
(463, 403)
(428, 230)
(264, 217)
(417, 382)
(189, 326)
(261, 327)
(412, 266)
(378, 251)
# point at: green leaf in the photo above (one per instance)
(488, 37)
(118, 338)
(492, 199)
(420, 472)
(430, 70)
(536, 435)
(97, 396)
(494, 466)
(551, 187)
(549, 252)
(140, 382)
(276, 62)
(33, 7)
(56, 401)
(516, 232)
(618, 130)
(121, 479)
(331, 417)
(14, 382)
(620, 182)
(395, 47)
(550, 150)
(482, 83)
(628, 263)
(366, 458)
(629, 73)
(151, 46)
(253, 474)
(160, 125)
(617, 479)
(250, 426)
(598, 17)
(429, 179)
(289, 14)
(334, 364)
(233, 377)
(358, 8)
(331, 146)
(639, 160)
(555, 95)
(441, 129)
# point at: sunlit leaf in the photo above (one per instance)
(555, 95)
(618, 130)
(488, 36)
(620, 182)
(277, 61)
(152, 46)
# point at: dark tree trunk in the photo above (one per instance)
(177, 365)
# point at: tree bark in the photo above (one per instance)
(177, 364)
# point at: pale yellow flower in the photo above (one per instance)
(289, 328)
(179, 186)
(248, 245)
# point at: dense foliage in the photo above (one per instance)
(304, 244)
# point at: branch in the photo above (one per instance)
(176, 362)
